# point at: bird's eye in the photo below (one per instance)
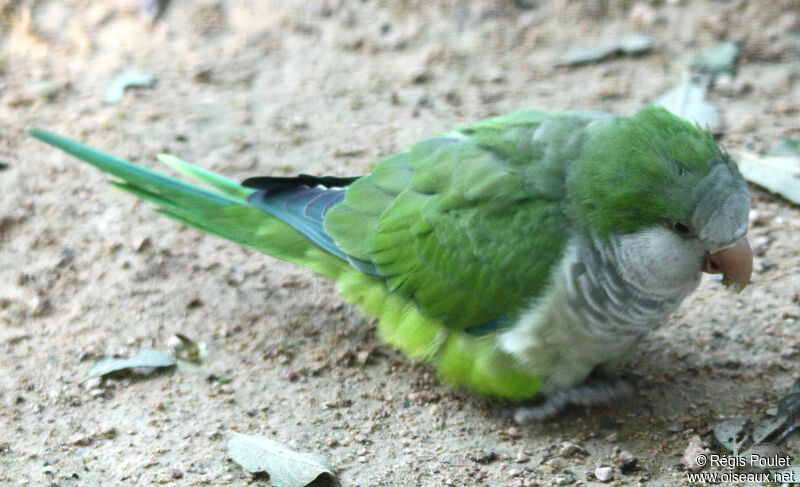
(681, 228)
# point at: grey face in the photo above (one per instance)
(721, 213)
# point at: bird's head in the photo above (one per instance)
(665, 182)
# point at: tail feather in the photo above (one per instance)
(222, 210)
(225, 185)
(127, 171)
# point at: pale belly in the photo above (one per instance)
(592, 315)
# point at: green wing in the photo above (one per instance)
(469, 224)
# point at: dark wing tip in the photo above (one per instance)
(274, 184)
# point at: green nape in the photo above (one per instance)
(639, 171)
(461, 359)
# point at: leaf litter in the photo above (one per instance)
(145, 362)
(717, 60)
(285, 467)
(688, 101)
(631, 46)
(764, 436)
(777, 174)
(125, 80)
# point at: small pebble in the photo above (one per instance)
(142, 244)
(80, 439)
(693, 454)
(363, 357)
(604, 474)
(92, 383)
(568, 449)
(484, 457)
(419, 76)
(554, 465)
(106, 431)
(627, 462)
(38, 306)
(47, 90)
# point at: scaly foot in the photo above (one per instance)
(595, 391)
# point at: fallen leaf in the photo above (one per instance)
(731, 433)
(718, 59)
(776, 174)
(688, 101)
(785, 420)
(631, 45)
(128, 79)
(785, 147)
(285, 467)
(146, 358)
(767, 428)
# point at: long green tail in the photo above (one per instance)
(221, 210)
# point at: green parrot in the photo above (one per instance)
(524, 256)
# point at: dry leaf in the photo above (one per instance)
(286, 467)
(146, 358)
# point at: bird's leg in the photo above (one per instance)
(598, 389)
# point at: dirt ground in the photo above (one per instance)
(329, 87)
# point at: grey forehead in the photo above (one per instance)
(722, 206)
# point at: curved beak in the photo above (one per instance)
(735, 263)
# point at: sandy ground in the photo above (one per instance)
(275, 87)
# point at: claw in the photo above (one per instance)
(593, 392)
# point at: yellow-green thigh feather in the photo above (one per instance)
(470, 361)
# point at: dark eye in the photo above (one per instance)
(681, 228)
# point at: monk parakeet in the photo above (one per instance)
(522, 255)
